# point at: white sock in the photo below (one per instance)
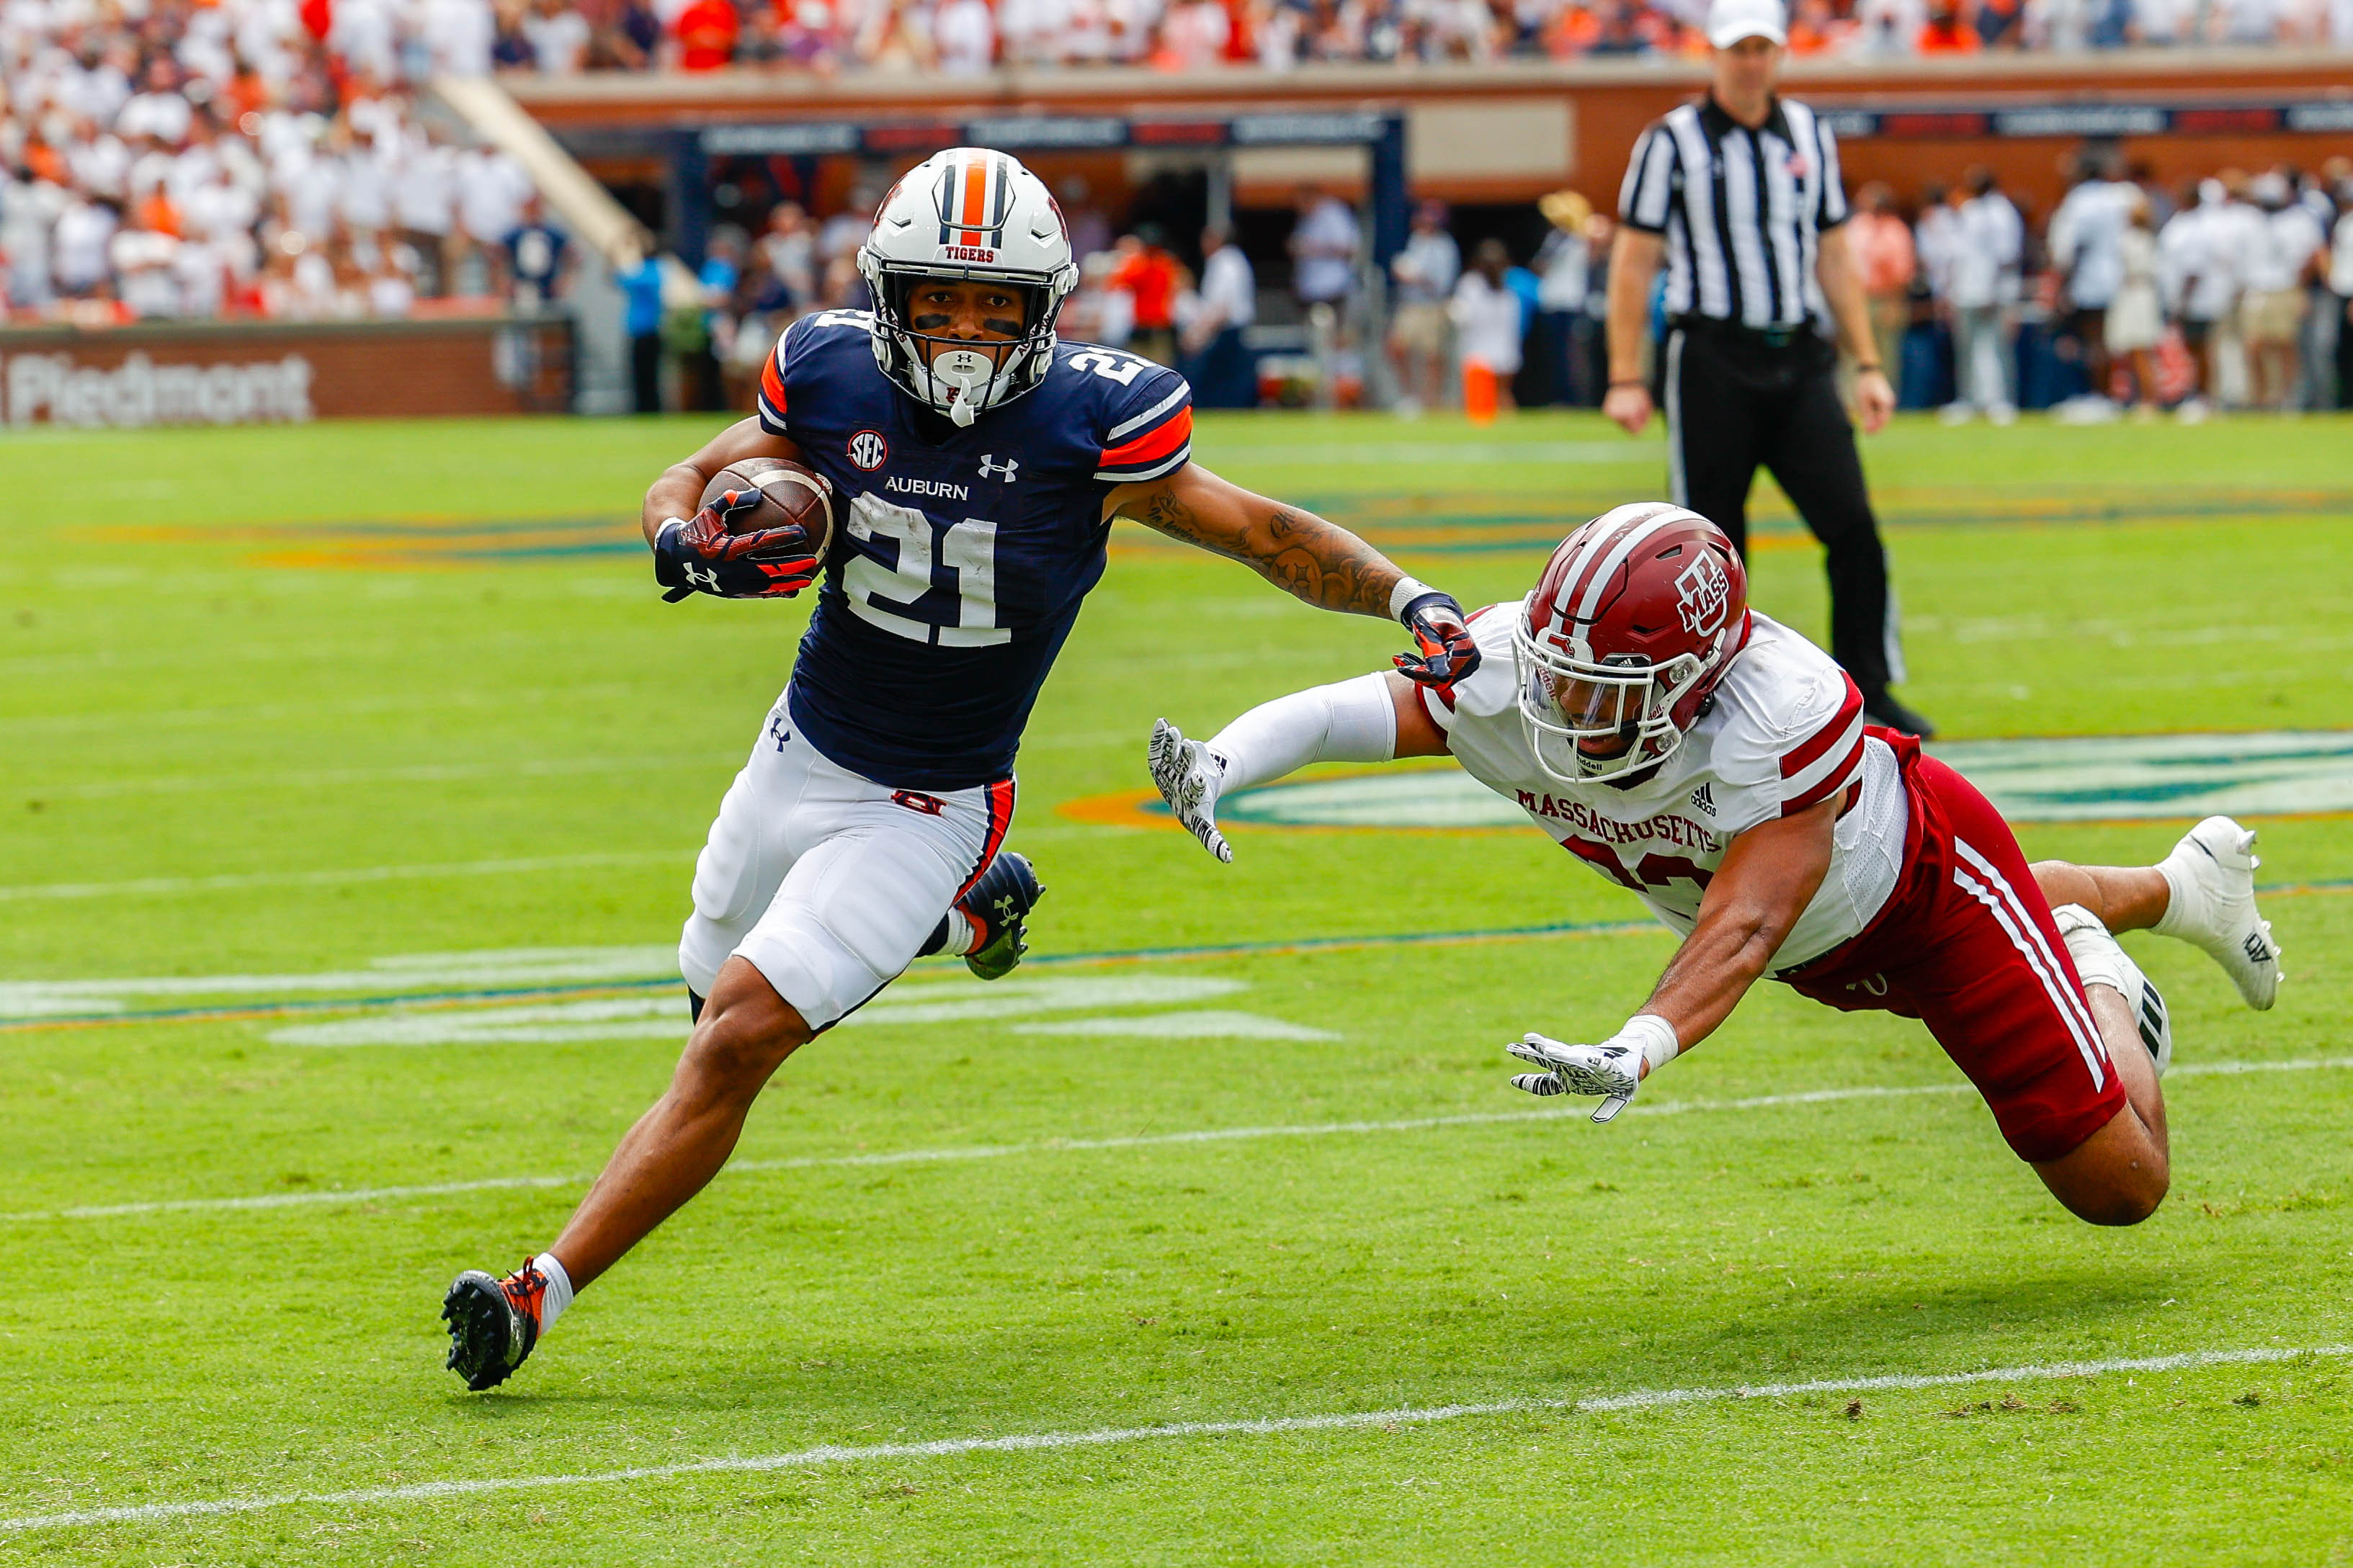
(559, 1290)
(961, 935)
(2181, 901)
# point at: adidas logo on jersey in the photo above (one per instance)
(1703, 800)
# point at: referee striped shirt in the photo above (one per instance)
(1742, 211)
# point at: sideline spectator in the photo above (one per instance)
(2087, 247)
(1323, 252)
(1425, 271)
(1987, 244)
(1488, 329)
(1564, 268)
(1881, 243)
(2136, 315)
(539, 259)
(790, 248)
(1150, 278)
(2340, 287)
(1216, 361)
(642, 294)
(2197, 275)
(2273, 310)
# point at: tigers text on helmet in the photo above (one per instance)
(971, 214)
(1633, 622)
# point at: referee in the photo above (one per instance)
(1740, 193)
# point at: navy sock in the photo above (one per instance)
(936, 941)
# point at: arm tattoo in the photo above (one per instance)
(1297, 551)
(1326, 565)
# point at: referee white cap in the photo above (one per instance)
(1729, 21)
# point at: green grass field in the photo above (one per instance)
(322, 736)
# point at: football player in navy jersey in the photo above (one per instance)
(977, 464)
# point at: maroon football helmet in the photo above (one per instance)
(1633, 622)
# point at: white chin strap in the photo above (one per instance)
(965, 372)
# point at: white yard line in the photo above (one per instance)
(1037, 1442)
(1089, 1145)
(153, 887)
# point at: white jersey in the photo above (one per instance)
(1784, 733)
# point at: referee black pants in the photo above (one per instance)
(1734, 401)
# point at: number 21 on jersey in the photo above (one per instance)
(966, 549)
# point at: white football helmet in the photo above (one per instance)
(969, 213)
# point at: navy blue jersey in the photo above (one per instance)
(961, 555)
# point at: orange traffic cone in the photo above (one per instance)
(1477, 392)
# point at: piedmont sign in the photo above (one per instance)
(2104, 778)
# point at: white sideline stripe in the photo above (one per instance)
(171, 885)
(1089, 1145)
(1038, 1442)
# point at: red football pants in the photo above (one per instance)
(1967, 945)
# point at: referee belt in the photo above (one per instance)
(1795, 336)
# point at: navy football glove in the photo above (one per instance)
(1448, 651)
(702, 556)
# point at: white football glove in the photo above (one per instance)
(1613, 1070)
(1190, 775)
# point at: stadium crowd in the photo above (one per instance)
(966, 35)
(250, 157)
(2231, 291)
(2234, 291)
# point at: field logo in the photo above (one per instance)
(2105, 778)
(1703, 591)
(868, 450)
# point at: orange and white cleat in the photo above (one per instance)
(493, 1323)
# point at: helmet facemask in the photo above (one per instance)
(960, 378)
(1567, 702)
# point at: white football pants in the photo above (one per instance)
(826, 882)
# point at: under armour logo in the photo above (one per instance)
(2256, 952)
(990, 469)
(1703, 800)
(702, 576)
(777, 731)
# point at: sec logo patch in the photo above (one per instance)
(868, 450)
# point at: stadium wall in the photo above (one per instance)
(1511, 132)
(246, 372)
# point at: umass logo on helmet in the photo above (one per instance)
(1703, 592)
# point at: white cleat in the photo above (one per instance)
(2211, 877)
(2100, 962)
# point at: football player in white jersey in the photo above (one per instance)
(1718, 765)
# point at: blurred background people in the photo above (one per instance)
(1424, 273)
(2135, 322)
(1488, 329)
(1987, 242)
(1216, 359)
(1881, 243)
(2086, 241)
(1323, 253)
(1150, 277)
(1564, 269)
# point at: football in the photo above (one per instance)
(789, 494)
